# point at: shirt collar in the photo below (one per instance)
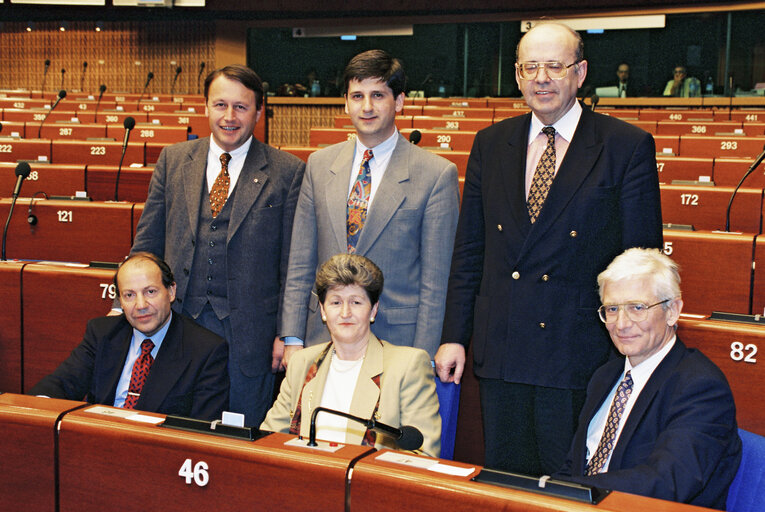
(565, 126)
(217, 151)
(158, 337)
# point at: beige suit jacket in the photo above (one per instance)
(407, 393)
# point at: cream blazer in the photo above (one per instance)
(407, 393)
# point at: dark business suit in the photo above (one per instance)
(680, 441)
(188, 377)
(257, 246)
(527, 294)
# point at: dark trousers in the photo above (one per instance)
(251, 396)
(528, 429)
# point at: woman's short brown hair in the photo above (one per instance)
(347, 270)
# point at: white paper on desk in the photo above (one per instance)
(145, 419)
(451, 470)
(407, 459)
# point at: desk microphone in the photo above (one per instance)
(407, 437)
(129, 124)
(415, 137)
(594, 99)
(61, 96)
(63, 72)
(45, 75)
(177, 72)
(757, 161)
(101, 91)
(82, 75)
(22, 172)
(199, 75)
(149, 77)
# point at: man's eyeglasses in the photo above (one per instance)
(636, 311)
(555, 70)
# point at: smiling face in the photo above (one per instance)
(144, 299)
(640, 340)
(348, 312)
(550, 99)
(372, 107)
(231, 111)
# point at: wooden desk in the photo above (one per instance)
(37, 115)
(54, 180)
(670, 114)
(450, 123)
(457, 102)
(739, 146)
(10, 334)
(737, 349)
(327, 136)
(444, 139)
(115, 117)
(501, 113)
(382, 485)
(729, 171)
(137, 212)
(702, 127)
(684, 168)
(459, 158)
(15, 129)
(71, 131)
(134, 183)
(98, 153)
(148, 132)
(13, 150)
(758, 283)
(80, 231)
(460, 112)
(704, 207)
(60, 302)
(716, 269)
(27, 449)
(137, 466)
(23, 103)
(197, 122)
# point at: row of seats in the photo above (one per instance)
(88, 103)
(98, 152)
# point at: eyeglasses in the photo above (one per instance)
(636, 311)
(555, 70)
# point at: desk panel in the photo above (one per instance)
(450, 123)
(115, 117)
(80, 231)
(758, 284)
(737, 348)
(70, 131)
(95, 152)
(670, 114)
(54, 180)
(137, 466)
(13, 150)
(738, 146)
(729, 171)
(459, 112)
(381, 485)
(696, 127)
(444, 139)
(10, 334)
(37, 116)
(684, 168)
(197, 122)
(134, 183)
(148, 132)
(704, 207)
(715, 268)
(61, 301)
(27, 451)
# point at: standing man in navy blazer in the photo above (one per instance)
(229, 264)
(188, 374)
(522, 287)
(661, 421)
(410, 222)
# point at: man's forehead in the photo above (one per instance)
(373, 83)
(140, 269)
(548, 37)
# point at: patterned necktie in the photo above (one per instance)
(543, 176)
(219, 192)
(141, 369)
(606, 444)
(358, 201)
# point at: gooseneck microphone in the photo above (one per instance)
(101, 91)
(45, 76)
(757, 161)
(61, 96)
(129, 124)
(177, 72)
(415, 137)
(63, 72)
(594, 99)
(22, 172)
(149, 78)
(199, 75)
(407, 437)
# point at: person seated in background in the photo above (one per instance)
(148, 358)
(356, 372)
(682, 85)
(628, 87)
(661, 421)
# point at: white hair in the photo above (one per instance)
(644, 263)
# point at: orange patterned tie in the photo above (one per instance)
(543, 176)
(606, 444)
(141, 369)
(358, 201)
(219, 192)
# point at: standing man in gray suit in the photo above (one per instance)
(220, 212)
(383, 198)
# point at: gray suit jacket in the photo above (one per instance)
(409, 234)
(258, 237)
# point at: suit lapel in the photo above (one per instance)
(116, 346)
(194, 180)
(583, 151)
(388, 197)
(512, 159)
(367, 393)
(166, 369)
(336, 194)
(646, 399)
(250, 184)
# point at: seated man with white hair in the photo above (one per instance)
(661, 421)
